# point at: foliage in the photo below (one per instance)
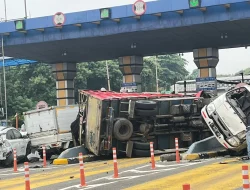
(224, 75)
(171, 68)
(28, 84)
(93, 75)
(245, 72)
(193, 75)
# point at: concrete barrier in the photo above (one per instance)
(206, 148)
(209, 144)
(169, 157)
(71, 156)
(204, 155)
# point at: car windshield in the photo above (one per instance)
(239, 99)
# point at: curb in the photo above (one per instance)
(66, 161)
(204, 155)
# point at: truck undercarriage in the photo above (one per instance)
(129, 121)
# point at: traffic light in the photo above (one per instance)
(19, 25)
(194, 3)
(105, 13)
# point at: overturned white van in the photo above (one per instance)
(227, 117)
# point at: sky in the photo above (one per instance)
(238, 59)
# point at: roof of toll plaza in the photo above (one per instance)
(164, 27)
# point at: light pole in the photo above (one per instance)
(107, 67)
(156, 75)
(4, 80)
(5, 11)
(242, 77)
(25, 8)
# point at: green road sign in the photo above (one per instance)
(194, 3)
(19, 24)
(105, 13)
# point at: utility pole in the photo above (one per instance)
(25, 8)
(156, 75)
(5, 11)
(107, 67)
(242, 77)
(185, 87)
(4, 80)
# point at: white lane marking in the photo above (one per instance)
(166, 166)
(70, 187)
(99, 185)
(136, 169)
(10, 174)
(122, 178)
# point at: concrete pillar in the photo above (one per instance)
(206, 60)
(131, 68)
(64, 74)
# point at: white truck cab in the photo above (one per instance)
(227, 117)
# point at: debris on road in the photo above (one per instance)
(169, 157)
(34, 156)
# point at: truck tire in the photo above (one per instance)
(145, 104)
(141, 146)
(123, 129)
(145, 112)
(141, 153)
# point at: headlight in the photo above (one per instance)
(233, 141)
(241, 135)
(210, 109)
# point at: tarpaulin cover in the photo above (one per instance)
(116, 95)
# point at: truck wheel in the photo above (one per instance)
(123, 129)
(145, 104)
(145, 112)
(141, 146)
(141, 153)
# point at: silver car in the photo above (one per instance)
(11, 138)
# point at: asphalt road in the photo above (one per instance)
(135, 173)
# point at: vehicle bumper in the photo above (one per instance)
(214, 128)
(4, 153)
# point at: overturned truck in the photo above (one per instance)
(129, 121)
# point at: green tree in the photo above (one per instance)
(171, 68)
(245, 72)
(28, 84)
(93, 75)
(193, 75)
